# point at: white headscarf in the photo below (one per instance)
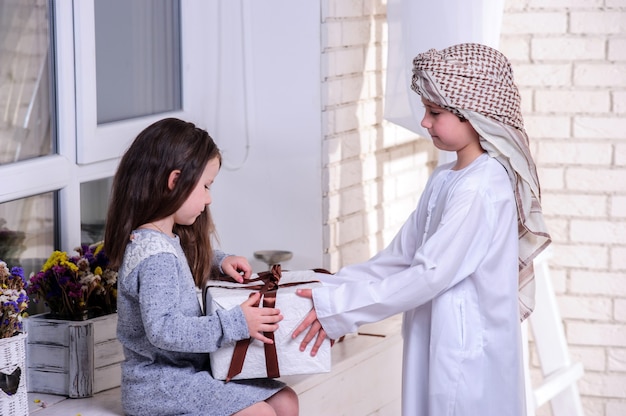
(476, 83)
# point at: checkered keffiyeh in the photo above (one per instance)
(476, 83)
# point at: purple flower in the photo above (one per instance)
(15, 299)
(65, 285)
(18, 272)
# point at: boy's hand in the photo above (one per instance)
(233, 266)
(311, 322)
(260, 320)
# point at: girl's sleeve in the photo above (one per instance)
(167, 326)
(404, 276)
(218, 258)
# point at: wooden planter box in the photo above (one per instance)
(73, 358)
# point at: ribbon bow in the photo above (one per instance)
(269, 278)
(268, 290)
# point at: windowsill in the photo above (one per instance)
(354, 356)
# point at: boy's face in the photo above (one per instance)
(447, 131)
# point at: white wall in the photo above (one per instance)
(268, 88)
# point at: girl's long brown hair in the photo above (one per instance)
(140, 192)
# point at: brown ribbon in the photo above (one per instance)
(268, 290)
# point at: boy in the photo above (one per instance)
(460, 268)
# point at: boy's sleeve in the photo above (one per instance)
(451, 254)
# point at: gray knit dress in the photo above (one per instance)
(166, 337)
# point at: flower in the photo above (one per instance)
(76, 287)
(13, 300)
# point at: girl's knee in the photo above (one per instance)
(257, 409)
(285, 402)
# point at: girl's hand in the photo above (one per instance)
(260, 320)
(233, 266)
(311, 322)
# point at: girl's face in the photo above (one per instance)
(447, 131)
(200, 197)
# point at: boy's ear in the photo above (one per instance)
(171, 180)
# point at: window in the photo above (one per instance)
(27, 231)
(93, 209)
(27, 209)
(137, 58)
(66, 114)
(132, 70)
(27, 234)
(25, 91)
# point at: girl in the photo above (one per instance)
(460, 268)
(158, 232)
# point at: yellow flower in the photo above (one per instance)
(82, 286)
(70, 266)
(99, 247)
(59, 258)
(55, 258)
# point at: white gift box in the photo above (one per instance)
(294, 308)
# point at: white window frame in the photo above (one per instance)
(107, 141)
(85, 151)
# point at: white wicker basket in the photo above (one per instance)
(12, 359)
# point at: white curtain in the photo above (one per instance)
(416, 26)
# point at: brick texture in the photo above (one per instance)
(375, 170)
(569, 60)
(577, 81)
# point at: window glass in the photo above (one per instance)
(27, 235)
(27, 231)
(94, 197)
(137, 58)
(25, 88)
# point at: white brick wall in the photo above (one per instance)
(375, 170)
(569, 58)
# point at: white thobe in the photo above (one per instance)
(453, 270)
